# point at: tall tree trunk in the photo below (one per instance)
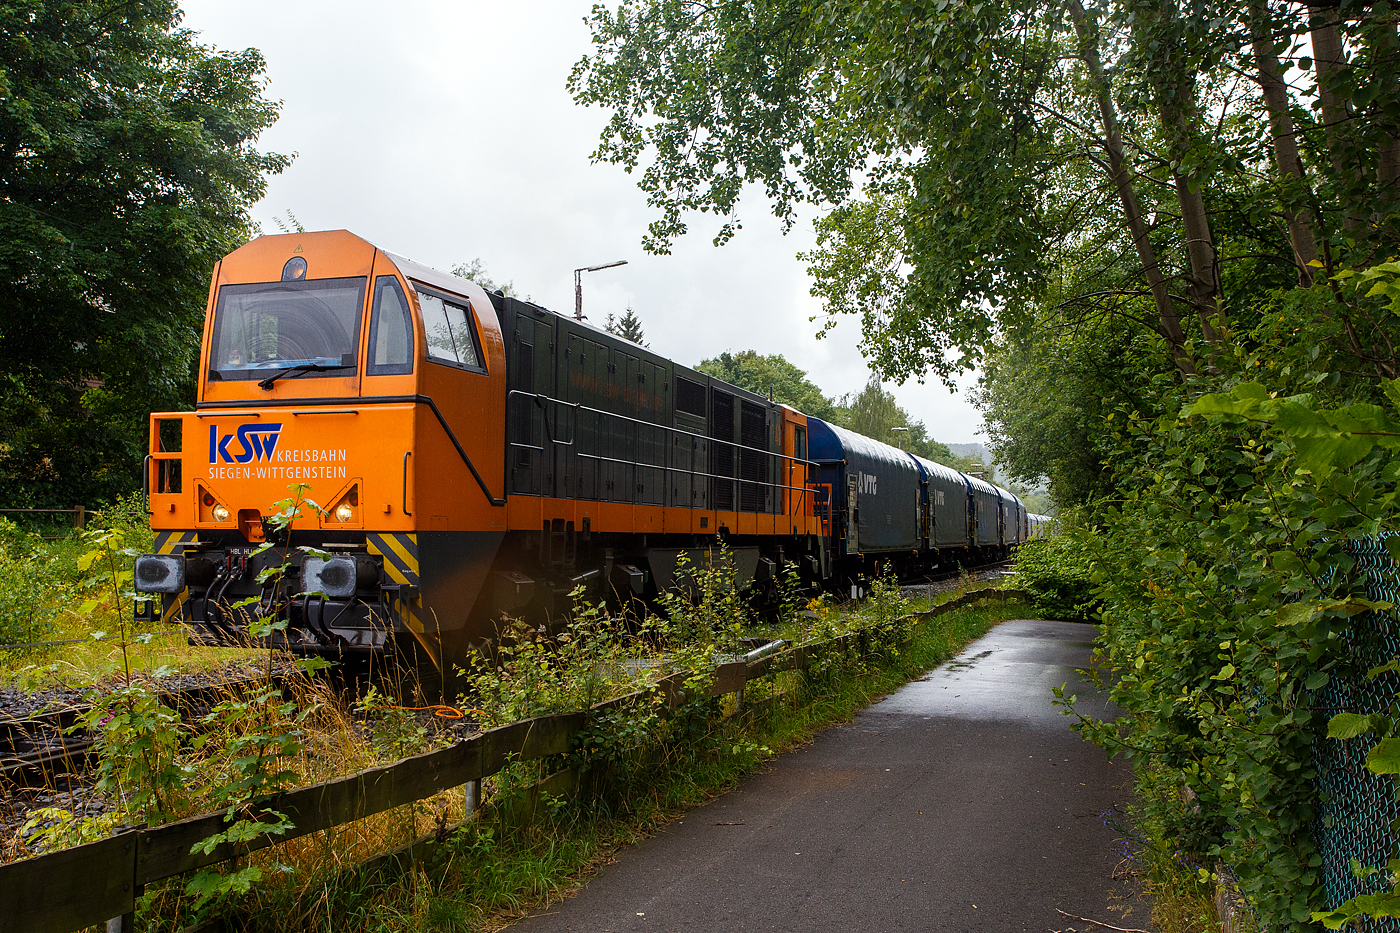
(1329, 63)
(1174, 87)
(1169, 325)
(1385, 45)
(1290, 164)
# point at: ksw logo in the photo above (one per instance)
(867, 484)
(258, 441)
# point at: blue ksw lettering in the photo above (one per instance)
(257, 440)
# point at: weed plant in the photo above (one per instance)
(1182, 890)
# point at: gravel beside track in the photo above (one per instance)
(43, 762)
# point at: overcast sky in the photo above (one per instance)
(443, 131)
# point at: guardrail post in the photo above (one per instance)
(125, 923)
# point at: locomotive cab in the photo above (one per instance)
(348, 385)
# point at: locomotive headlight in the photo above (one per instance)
(220, 513)
(344, 510)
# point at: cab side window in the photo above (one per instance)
(391, 330)
(450, 332)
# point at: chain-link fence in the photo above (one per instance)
(1359, 812)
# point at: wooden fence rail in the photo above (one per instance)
(67, 890)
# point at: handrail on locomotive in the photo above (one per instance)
(666, 468)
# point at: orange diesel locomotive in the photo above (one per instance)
(472, 455)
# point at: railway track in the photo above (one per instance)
(941, 581)
(36, 750)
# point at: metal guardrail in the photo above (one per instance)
(797, 501)
(67, 890)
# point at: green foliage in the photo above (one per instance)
(1045, 394)
(128, 514)
(394, 731)
(706, 611)
(138, 754)
(35, 584)
(128, 169)
(533, 673)
(250, 742)
(252, 739)
(111, 568)
(55, 828)
(1056, 571)
(770, 375)
(1228, 593)
(1181, 891)
(137, 736)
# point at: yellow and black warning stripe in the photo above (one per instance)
(167, 542)
(400, 554)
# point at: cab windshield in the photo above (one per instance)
(311, 325)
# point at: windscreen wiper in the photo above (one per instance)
(301, 369)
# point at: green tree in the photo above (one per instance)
(127, 167)
(1046, 394)
(628, 327)
(994, 138)
(771, 374)
(874, 412)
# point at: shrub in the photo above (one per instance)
(1055, 571)
(35, 583)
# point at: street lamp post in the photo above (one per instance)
(578, 283)
(905, 430)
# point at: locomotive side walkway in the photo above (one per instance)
(961, 802)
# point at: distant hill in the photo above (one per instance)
(975, 451)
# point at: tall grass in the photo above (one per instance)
(46, 597)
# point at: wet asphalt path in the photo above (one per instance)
(961, 802)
